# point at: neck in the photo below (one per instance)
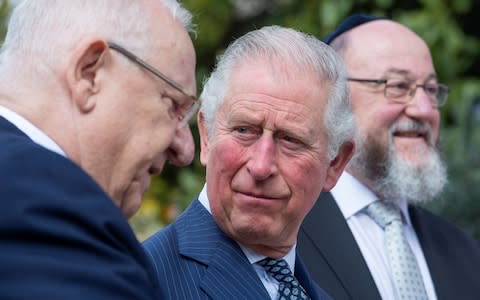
(273, 252)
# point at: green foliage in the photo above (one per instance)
(4, 11)
(449, 28)
(437, 21)
(453, 49)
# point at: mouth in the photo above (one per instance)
(259, 196)
(411, 134)
(154, 171)
(256, 196)
(413, 131)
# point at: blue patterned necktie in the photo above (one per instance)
(405, 271)
(289, 287)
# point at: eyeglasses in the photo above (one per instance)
(397, 89)
(185, 113)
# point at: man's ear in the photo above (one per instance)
(83, 70)
(338, 164)
(202, 130)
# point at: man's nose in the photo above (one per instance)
(262, 163)
(421, 106)
(182, 149)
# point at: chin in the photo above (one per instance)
(131, 204)
(253, 230)
(415, 158)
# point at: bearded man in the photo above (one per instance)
(366, 238)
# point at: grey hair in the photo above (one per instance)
(42, 32)
(300, 50)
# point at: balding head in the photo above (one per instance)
(396, 131)
(385, 42)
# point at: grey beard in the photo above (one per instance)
(393, 177)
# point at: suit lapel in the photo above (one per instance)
(304, 279)
(433, 253)
(228, 273)
(325, 226)
(6, 126)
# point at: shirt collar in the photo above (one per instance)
(254, 257)
(352, 197)
(31, 130)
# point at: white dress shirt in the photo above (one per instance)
(353, 198)
(270, 283)
(30, 130)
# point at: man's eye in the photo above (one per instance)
(397, 88)
(431, 89)
(242, 130)
(399, 85)
(289, 139)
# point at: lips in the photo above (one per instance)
(410, 134)
(259, 196)
(412, 129)
(154, 170)
(252, 195)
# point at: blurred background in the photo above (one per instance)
(450, 28)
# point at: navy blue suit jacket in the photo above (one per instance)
(194, 259)
(332, 256)
(61, 237)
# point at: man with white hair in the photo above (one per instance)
(95, 96)
(368, 238)
(275, 121)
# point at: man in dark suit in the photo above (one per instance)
(275, 121)
(396, 98)
(83, 126)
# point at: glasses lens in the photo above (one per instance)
(189, 114)
(442, 94)
(396, 88)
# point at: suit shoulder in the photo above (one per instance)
(159, 240)
(58, 226)
(442, 231)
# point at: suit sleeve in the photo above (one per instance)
(61, 237)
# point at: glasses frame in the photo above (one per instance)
(410, 92)
(196, 102)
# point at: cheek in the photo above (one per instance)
(155, 133)
(306, 180)
(162, 135)
(225, 155)
(375, 123)
(436, 127)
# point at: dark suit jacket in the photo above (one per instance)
(61, 237)
(332, 256)
(194, 259)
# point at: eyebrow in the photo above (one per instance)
(406, 73)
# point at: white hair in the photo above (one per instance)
(42, 32)
(394, 177)
(300, 51)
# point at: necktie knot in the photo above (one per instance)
(289, 287)
(278, 269)
(384, 213)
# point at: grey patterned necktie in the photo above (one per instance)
(405, 271)
(289, 287)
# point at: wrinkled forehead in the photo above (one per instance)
(274, 76)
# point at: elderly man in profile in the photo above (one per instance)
(94, 99)
(275, 121)
(368, 238)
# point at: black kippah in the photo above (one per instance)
(349, 23)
